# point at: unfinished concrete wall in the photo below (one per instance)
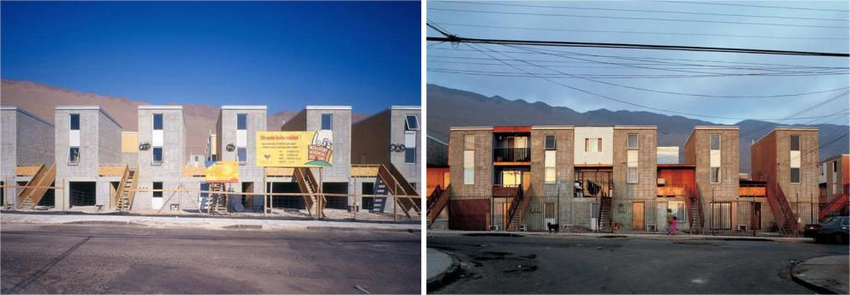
(227, 135)
(370, 140)
(109, 140)
(341, 128)
(172, 138)
(697, 152)
(411, 171)
(559, 192)
(645, 158)
(772, 160)
(483, 163)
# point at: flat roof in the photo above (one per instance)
(89, 108)
(160, 107)
(28, 114)
(243, 107)
(784, 128)
(636, 127)
(833, 157)
(323, 107)
(710, 127)
(405, 107)
(552, 127)
(471, 128)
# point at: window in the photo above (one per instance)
(593, 144)
(550, 142)
(327, 121)
(469, 159)
(410, 146)
(633, 175)
(75, 121)
(74, 156)
(715, 174)
(714, 141)
(157, 186)
(157, 121)
(241, 121)
(721, 215)
(795, 142)
(633, 142)
(157, 155)
(410, 155)
(795, 175)
(411, 123)
(242, 155)
(834, 167)
(549, 173)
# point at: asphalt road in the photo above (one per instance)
(133, 259)
(550, 264)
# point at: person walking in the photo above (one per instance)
(670, 221)
(673, 224)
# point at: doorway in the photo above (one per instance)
(82, 193)
(756, 216)
(248, 200)
(638, 223)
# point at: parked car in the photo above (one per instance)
(830, 229)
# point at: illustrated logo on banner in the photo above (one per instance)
(295, 148)
(222, 172)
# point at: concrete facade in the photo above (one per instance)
(773, 159)
(644, 157)
(559, 192)
(24, 140)
(98, 139)
(697, 152)
(834, 177)
(228, 135)
(171, 138)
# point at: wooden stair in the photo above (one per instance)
(516, 213)
(405, 195)
(308, 185)
(604, 222)
(126, 192)
(36, 187)
(438, 201)
(217, 200)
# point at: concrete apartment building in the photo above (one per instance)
(26, 145)
(162, 136)
(534, 177)
(714, 152)
(834, 179)
(236, 129)
(87, 142)
(337, 178)
(787, 159)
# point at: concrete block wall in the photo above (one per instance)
(560, 192)
(411, 171)
(370, 139)
(646, 187)
(226, 134)
(696, 152)
(483, 186)
(24, 140)
(341, 128)
(169, 171)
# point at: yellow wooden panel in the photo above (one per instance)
(27, 170)
(109, 170)
(751, 191)
(279, 171)
(364, 171)
(192, 171)
(677, 191)
(129, 142)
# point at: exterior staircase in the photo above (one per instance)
(36, 187)
(836, 206)
(217, 200)
(518, 207)
(604, 222)
(379, 203)
(786, 221)
(405, 195)
(697, 219)
(308, 185)
(438, 201)
(123, 198)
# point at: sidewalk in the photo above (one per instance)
(441, 267)
(651, 236)
(828, 274)
(204, 222)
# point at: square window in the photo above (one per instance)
(74, 156)
(242, 155)
(241, 121)
(157, 186)
(75, 121)
(715, 141)
(715, 174)
(410, 155)
(157, 121)
(633, 141)
(157, 155)
(411, 123)
(550, 175)
(327, 121)
(599, 145)
(633, 175)
(795, 142)
(550, 142)
(795, 175)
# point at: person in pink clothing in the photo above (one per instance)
(673, 225)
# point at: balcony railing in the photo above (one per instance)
(511, 155)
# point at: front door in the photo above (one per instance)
(637, 216)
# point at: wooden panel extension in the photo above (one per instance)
(37, 186)
(192, 171)
(27, 170)
(111, 170)
(752, 191)
(671, 191)
(364, 170)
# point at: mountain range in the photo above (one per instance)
(41, 100)
(449, 107)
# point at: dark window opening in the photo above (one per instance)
(367, 188)
(288, 202)
(327, 121)
(74, 155)
(795, 142)
(241, 121)
(157, 121)
(82, 193)
(336, 188)
(550, 142)
(157, 186)
(157, 155)
(75, 121)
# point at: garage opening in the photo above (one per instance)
(48, 200)
(289, 202)
(336, 188)
(82, 193)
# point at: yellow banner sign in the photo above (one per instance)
(295, 148)
(223, 172)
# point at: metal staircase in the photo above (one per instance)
(437, 202)
(126, 192)
(308, 185)
(36, 187)
(518, 207)
(836, 206)
(786, 221)
(697, 218)
(604, 222)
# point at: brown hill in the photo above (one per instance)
(41, 100)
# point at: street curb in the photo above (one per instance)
(446, 277)
(819, 288)
(660, 237)
(16, 212)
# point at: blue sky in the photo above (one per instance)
(281, 54)
(820, 26)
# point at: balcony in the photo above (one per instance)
(505, 192)
(512, 155)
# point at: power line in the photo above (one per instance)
(643, 10)
(751, 5)
(608, 77)
(631, 46)
(637, 18)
